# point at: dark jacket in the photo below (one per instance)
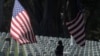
(59, 49)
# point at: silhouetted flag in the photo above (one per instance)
(76, 26)
(21, 29)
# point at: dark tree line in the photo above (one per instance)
(92, 12)
(92, 18)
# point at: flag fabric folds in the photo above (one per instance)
(76, 26)
(21, 29)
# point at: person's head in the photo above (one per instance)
(60, 42)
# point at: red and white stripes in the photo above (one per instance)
(76, 28)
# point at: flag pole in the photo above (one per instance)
(66, 16)
(69, 18)
(71, 40)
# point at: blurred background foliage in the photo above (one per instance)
(92, 16)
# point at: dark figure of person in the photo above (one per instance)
(59, 49)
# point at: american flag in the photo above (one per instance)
(21, 29)
(76, 26)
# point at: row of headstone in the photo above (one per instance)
(4, 45)
(20, 51)
(46, 46)
(2, 37)
(12, 48)
(32, 50)
(28, 50)
(4, 48)
(74, 49)
(16, 49)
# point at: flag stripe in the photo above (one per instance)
(21, 29)
(75, 22)
(16, 29)
(77, 29)
(82, 42)
(79, 32)
(24, 25)
(31, 31)
(74, 29)
(82, 37)
(15, 37)
(29, 28)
